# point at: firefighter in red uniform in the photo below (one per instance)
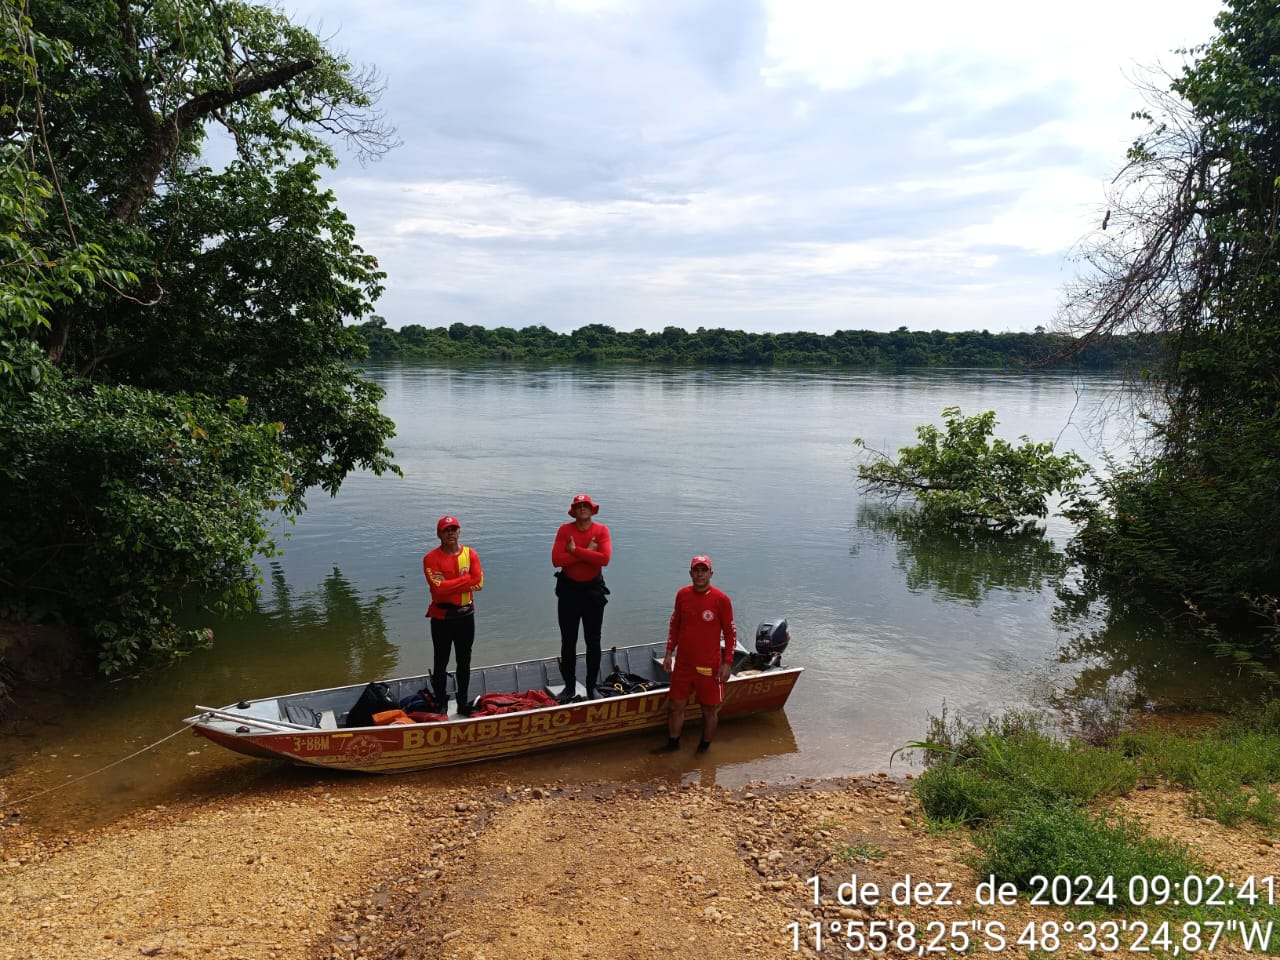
(453, 574)
(702, 617)
(582, 549)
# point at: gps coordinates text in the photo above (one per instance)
(921, 938)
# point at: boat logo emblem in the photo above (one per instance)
(363, 749)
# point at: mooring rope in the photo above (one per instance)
(115, 763)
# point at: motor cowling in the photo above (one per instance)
(772, 638)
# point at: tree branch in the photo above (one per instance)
(163, 137)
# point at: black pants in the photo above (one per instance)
(586, 607)
(458, 633)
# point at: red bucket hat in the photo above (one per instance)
(703, 559)
(584, 498)
(446, 522)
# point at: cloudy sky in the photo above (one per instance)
(771, 165)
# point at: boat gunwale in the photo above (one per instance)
(360, 685)
(201, 719)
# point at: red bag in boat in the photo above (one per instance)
(420, 716)
(490, 704)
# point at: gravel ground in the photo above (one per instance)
(375, 868)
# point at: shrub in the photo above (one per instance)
(1063, 840)
(976, 775)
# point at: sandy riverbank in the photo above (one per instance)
(378, 868)
(388, 867)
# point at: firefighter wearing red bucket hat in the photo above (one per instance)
(581, 550)
(703, 615)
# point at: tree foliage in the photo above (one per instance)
(175, 357)
(142, 500)
(1191, 253)
(963, 475)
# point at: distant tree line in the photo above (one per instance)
(599, 343)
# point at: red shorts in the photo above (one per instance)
(707, 685)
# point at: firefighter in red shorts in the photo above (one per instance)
(701, 620)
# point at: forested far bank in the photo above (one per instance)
(598, 342)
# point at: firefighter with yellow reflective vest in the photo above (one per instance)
(453, 575)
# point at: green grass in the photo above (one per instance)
(858, 853)
(1227, 769)
(848, 852)
(1063, 840)
(976, 775)
(1026, 796)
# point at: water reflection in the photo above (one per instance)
(302, 640)
(337, 610)
(745, 748)
(1128, 660)
(960, 563)
(738, 753)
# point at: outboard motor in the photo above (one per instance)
(772, 638)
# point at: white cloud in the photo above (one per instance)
(793, 164)
(841, 44)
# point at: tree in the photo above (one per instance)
(32, 281)
(174, 350)
(963, 476)
(1188, 251)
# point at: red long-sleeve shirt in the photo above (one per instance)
(582, 564)
(457, 584)
(698, 622)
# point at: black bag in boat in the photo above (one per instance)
(424, 701)
(375, 698)
(620, 682)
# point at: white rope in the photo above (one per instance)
(114, 763)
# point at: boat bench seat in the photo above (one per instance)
(512, 678)
(530, 676)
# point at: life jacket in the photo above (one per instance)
(386, 717)
(464, 567)
(418, 716)
(489, 704)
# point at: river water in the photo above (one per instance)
(756, 468)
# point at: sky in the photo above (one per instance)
(778, 165)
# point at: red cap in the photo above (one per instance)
(446, 522)
(703, 559)
(584, 498)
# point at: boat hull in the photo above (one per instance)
(401, 748)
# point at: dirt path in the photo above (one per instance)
(376, 868)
